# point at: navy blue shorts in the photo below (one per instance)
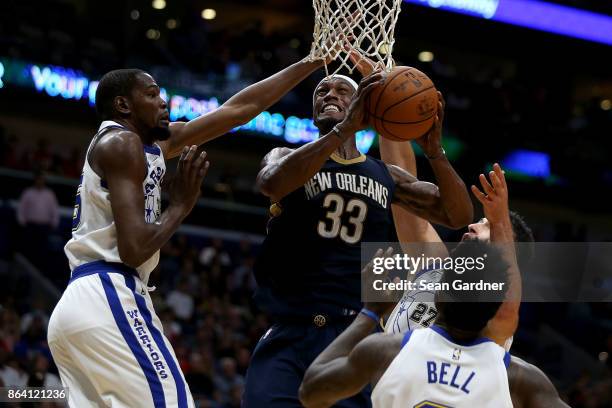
(280, 360)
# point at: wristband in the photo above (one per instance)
(442, 153)
(336, 130)
(371, 315)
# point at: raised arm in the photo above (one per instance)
(284, 171)
(239, 109)
(494, 199)
(411, 229)
(119, 159)
(448, 203)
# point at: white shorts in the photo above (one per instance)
(109, 345)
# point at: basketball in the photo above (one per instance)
(404, 106)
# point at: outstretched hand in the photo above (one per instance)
(356, 118)
(431, 142)
(494, 195)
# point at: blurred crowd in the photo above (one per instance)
(14, 154)
(203, 298)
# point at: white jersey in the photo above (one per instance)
(105, 337)
(432, 371)
(417, 308)
(94, 234)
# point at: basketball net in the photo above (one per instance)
(365, 26)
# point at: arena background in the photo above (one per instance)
(537, 102)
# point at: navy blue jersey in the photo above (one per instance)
(310, 261)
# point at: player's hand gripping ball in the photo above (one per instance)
(404, 107)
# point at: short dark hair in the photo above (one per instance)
(119, 82)
(522, 233)
(470, 310)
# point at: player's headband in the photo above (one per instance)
(350, 80)
(338, 76)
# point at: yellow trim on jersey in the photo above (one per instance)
(429, 404)
(361, 158)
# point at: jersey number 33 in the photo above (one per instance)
(332, 226)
